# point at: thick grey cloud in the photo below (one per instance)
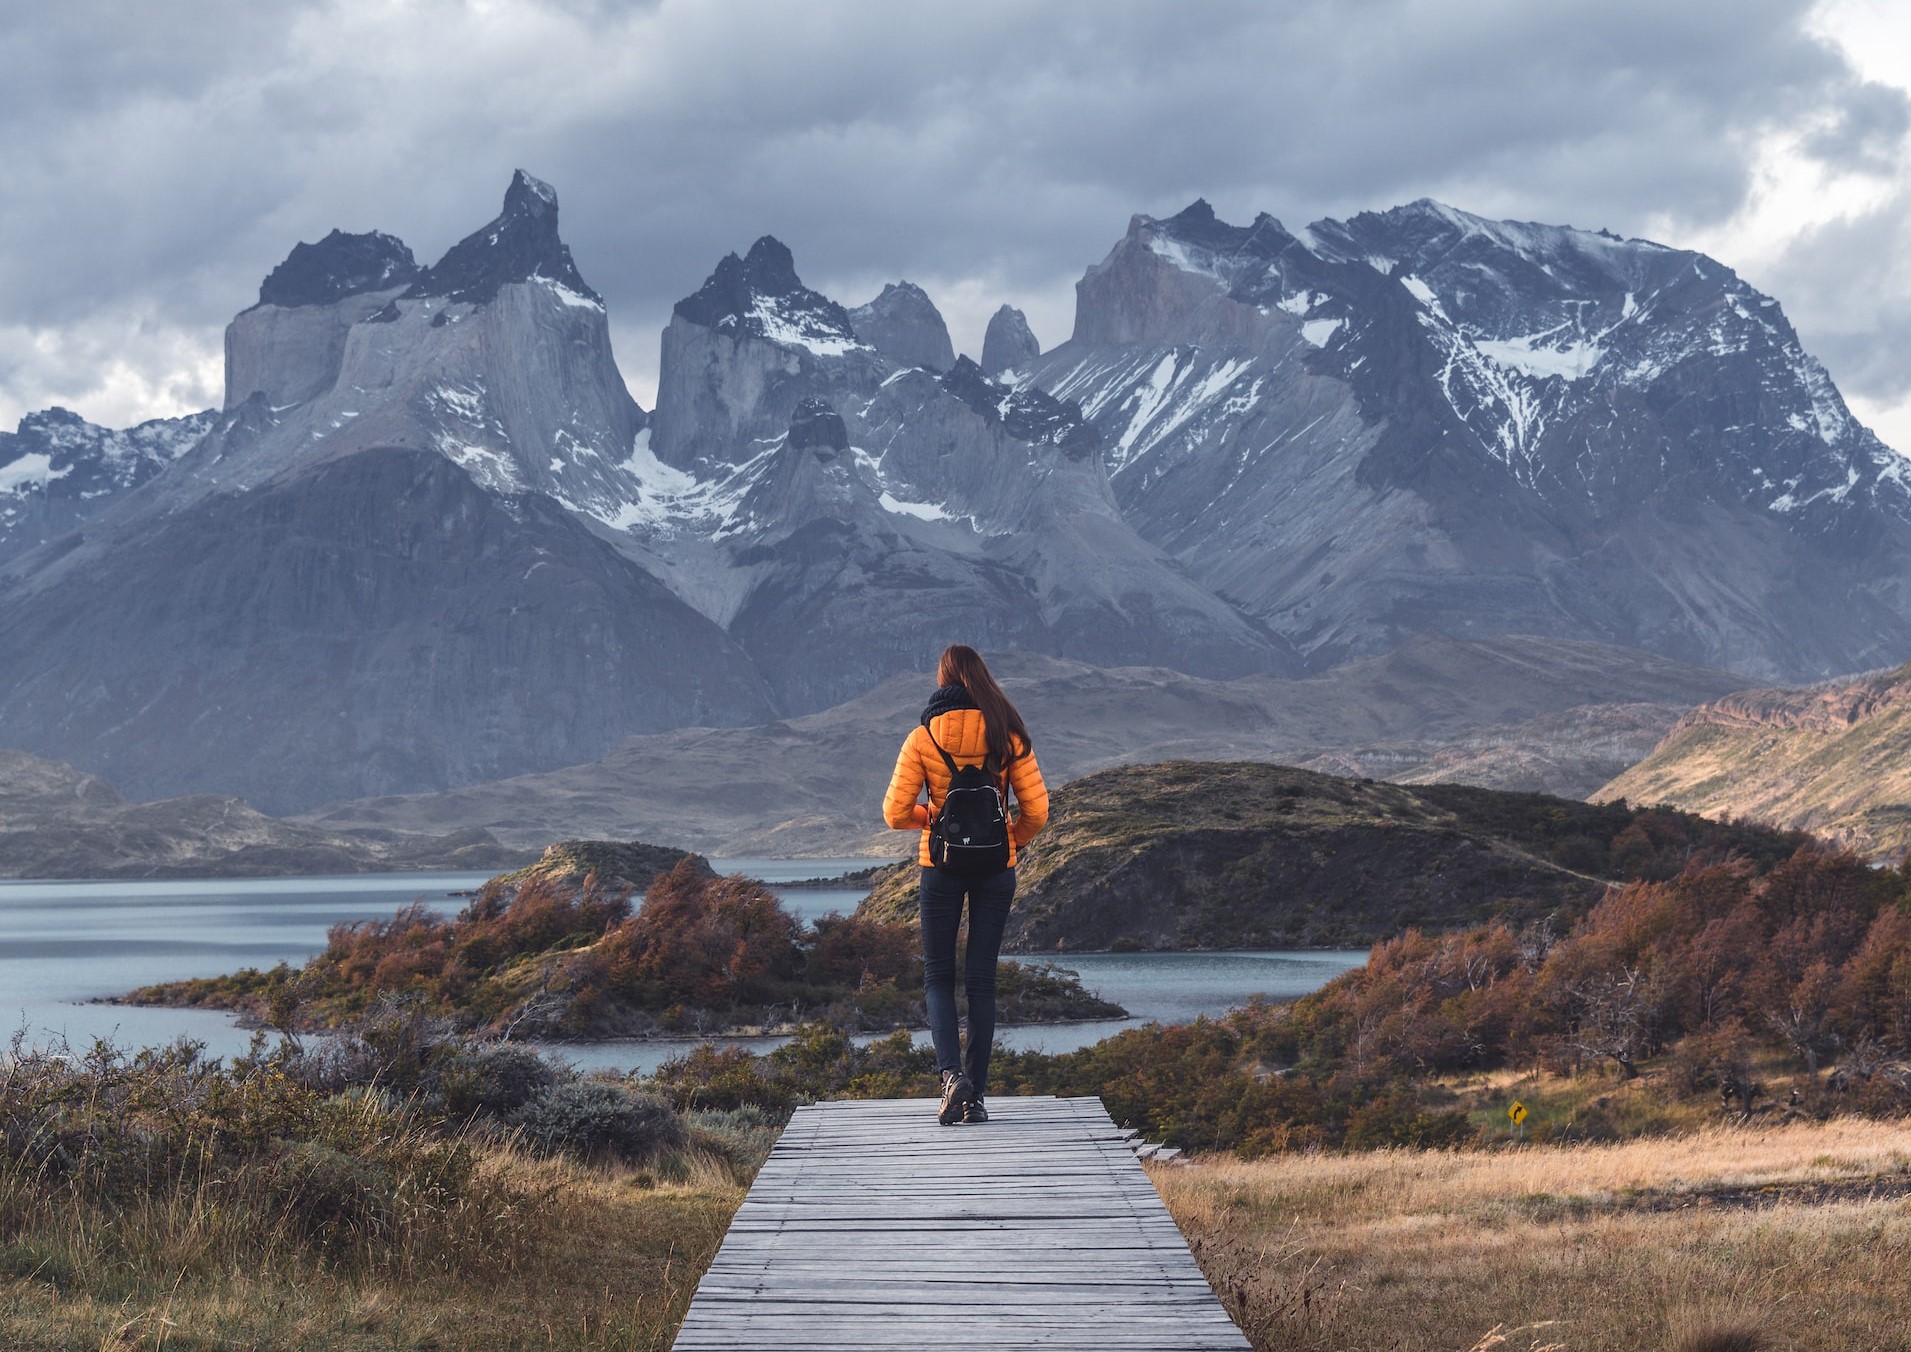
(156, 168)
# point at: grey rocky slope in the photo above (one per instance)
(1421, 419)
(384, 567)
(58, 822)
(814, 784)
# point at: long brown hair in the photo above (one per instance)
(962, 665)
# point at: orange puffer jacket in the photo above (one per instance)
(965, 737)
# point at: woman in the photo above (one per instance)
(969, 722)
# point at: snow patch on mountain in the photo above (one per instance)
(489, 468)
(566, 296)
(34, 470)
(802, 328)
(1829, 417)
(1183, 256)
(1320, 331)
(1543, 355)
(922, 511)
(465, 403)
(1149, 399)
(58, 469)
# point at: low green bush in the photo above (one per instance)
(492, 1079)
(597, 1120)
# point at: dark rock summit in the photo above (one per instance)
(1009, 344)
(338, 266)
(904, 325)
(742, 352)
(760, 295)
(815, 426)
(520, 244)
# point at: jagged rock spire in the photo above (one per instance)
(520, 244)
(904, 325)
(1009, 344)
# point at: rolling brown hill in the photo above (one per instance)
(1833, 759)
(1190, 854)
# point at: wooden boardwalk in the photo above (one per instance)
(873, 1227)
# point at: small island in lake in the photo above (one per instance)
(558, 950)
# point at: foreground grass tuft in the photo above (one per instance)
(390, 1192)
(600, 1259)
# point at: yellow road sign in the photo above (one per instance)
(1517, 1112)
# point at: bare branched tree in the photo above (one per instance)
(1803, 1019)
(1616, 1014)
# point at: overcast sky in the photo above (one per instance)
(160, 158)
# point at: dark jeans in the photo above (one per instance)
(942, 897)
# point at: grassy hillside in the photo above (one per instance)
(1191, 854)
(1834, 760)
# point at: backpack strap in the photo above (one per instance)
(955, 769)
(947, 759)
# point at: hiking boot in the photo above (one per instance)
(957, 1095)
(975, 1114)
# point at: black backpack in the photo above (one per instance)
(970, 835)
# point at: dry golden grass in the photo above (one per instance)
(599, 1259)
(1726, 1240)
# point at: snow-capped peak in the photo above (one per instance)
(58, 468)
(760, 296)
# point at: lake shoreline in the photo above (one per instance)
(68, 949)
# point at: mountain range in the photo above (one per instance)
(431, 541)
(1420, 419)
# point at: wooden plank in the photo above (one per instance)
(871, 1226)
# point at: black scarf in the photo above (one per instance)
(947, 697)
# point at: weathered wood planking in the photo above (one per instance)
(873, 1227)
